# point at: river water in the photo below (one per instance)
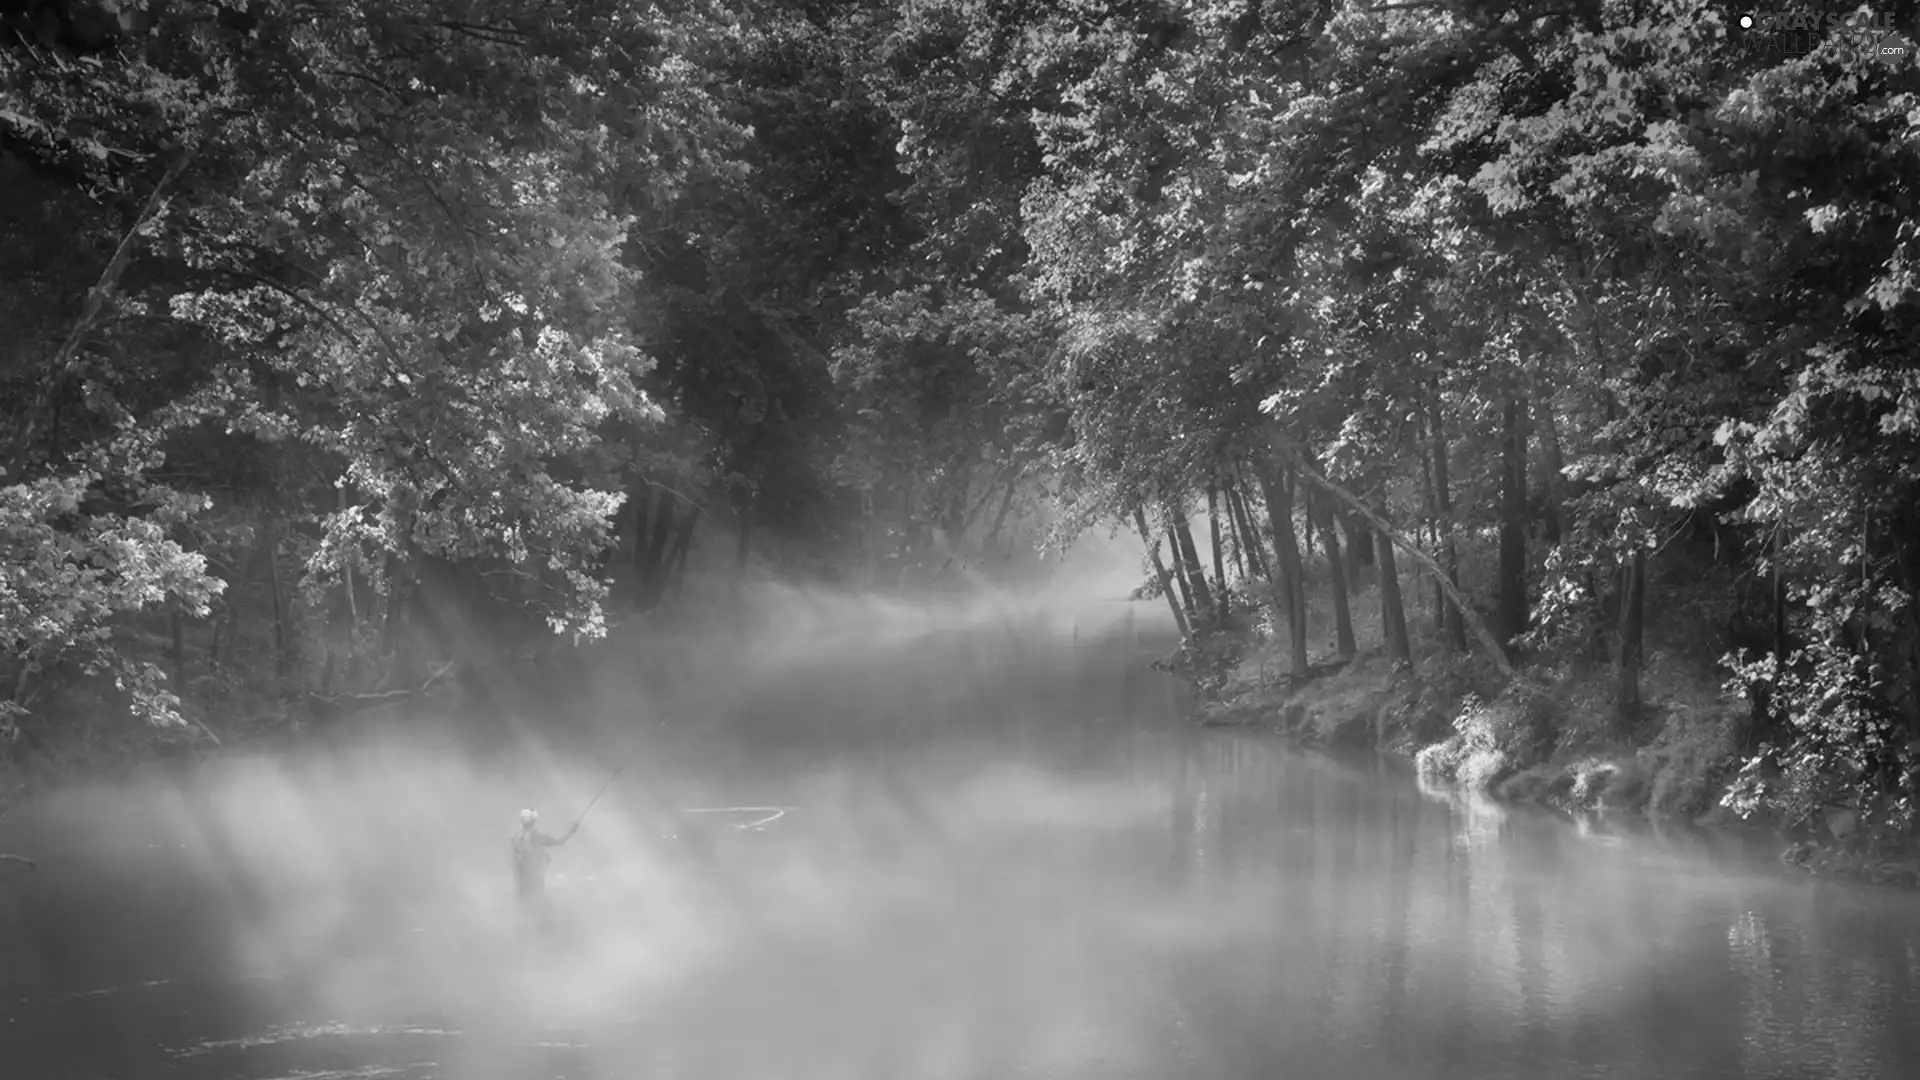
(992, 850)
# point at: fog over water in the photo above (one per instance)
(990, 847)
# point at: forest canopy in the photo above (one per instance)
(1564, 313)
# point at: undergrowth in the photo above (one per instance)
(1556, 739)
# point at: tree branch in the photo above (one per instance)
(1488, 643)
(371, 700)
(66, 359)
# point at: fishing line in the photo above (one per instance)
(773, 813)
(624, 762)
(770, 813)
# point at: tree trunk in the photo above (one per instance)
(1455, 630)
(910, 526)
(1190, 560)
(1305, 501)
(1431, 530)
(950, 498)
(1629, 656)
(1555, 481)
(1282, 579)
(68, 360)
(1780, 644)
(1233, 531)
(1359, 548)
(177, 646)
(1000, 518)
(1513, 527)
(282, 639)
(1005, 475)
(1180, 575)
(1343, 642)
(1393, 614)
(1219, 555)
(1439, 594)
(353, 600)
(1475, 625)
(390, 632)
(1279, 498)
(743, 526)
(1160, 572)
(228, 638)
(653, 584)
(1782, 648)
(682, 547)
(1255, 547)
(222, 635)
(437, 582)
(642, 502)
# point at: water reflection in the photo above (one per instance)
(1006, 859)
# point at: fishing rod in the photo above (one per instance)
(611, 777)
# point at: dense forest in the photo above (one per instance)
(1557, 335)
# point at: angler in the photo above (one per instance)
(531, 856)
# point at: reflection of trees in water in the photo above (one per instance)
(1402, 837)
(1822, 994)
(1458, 938)
(1530, 965)
(1755, 957)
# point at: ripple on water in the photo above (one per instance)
(287, 1033)
(368, 1072)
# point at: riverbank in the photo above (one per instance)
(1556, 745)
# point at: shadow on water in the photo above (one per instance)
(1000, 855)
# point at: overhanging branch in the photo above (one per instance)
(1478, 627)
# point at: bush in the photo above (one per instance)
(1587, 719)
(1209, 660)
(1518, 724)
(1440, 762)
(1481, 769)
(1588, 781)
(1695, 752)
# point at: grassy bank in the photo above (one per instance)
(1558, 743)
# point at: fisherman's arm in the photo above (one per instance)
(555, 841)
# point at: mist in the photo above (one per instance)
(366, 871)
(857, 836)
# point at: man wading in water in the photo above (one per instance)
(530, 859)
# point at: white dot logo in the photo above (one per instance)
(1746, 22)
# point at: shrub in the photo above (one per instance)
(1628, 787)
(1518, 723)
(1440, 761)
(1694, 753)
(1588, 781)
(1481, 769)
(1587, 719)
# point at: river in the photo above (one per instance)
(989, 850)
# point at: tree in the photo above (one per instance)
(401, 232)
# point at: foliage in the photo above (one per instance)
(1622, 291)
(395, 251)
(936, 386)
(67, 573)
